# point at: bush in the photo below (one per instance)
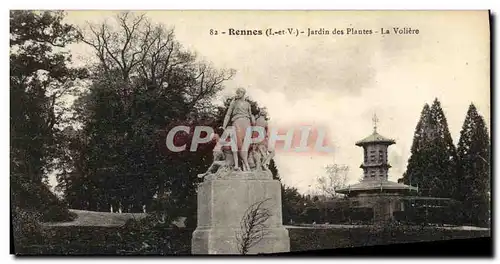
(55, 213)
(361, 215)
(36, 197)
(134, 238)
(314, 239)
(31, 204)
(400, 216)
(440, 216)
(149, 236)
(26, 227)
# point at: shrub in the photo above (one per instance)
(26, 227)
(389, 233)
(361, 215)
(150, 236)
(36, 197)
(141, 238)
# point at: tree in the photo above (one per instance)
(40, 76)
(474, 168)
(445, 153)
(335, 178)
(433, 160)
(412, 175)
(143, 84)
(274, 170)
(293, 205)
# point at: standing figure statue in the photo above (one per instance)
(239, 116)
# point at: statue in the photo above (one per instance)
(239, 116)
(259, 152)
(223, 158)
(227, 195)
(262, 147)
(256, 157)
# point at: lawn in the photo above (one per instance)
(102, 233)
(109, 237)
(100, 219)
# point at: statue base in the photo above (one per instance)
(222, 205)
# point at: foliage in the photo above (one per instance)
(26, 227)
(474, 168)
(37, 198)
(162, 240)
(329, 238)
(149, 235)
(274, 170)
(335, 178)
(40, 77)
(440, 170)
(433, 162)
(292, 204)
(334, 211)
(414, 174)
(135, 238)
(143, 84)
(361, 215)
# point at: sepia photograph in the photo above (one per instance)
(250, 132)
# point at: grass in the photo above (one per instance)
(100, 219)
(302, 239)
(119, 240)
(103, 233)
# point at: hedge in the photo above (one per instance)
(175, 241)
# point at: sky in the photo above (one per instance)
(340, 81)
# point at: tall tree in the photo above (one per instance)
(293, 205)
(40, 76)
(143, 84)
(412, 175)
(444, 156)
(433, 160)
(474, 168)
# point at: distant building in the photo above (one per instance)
(375, 191)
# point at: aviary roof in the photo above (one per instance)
(369, 185)
(375, 138)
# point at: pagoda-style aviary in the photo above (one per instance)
(375, 190)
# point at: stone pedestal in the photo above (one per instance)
(223, 203)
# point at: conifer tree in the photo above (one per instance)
(443, 155)
(432, 164)
(474, 168)
(274, 170)
(412, 175)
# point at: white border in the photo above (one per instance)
(254, 4)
